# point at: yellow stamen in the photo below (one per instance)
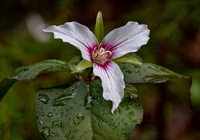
(100, 55)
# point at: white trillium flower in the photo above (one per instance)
(120, 41)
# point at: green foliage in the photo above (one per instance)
(128, 58)
(29, 73)
(82, 65)
(78, 111)
(147, 73)
(171, 29)
(5, 86)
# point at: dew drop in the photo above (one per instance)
(133, 96)
(43, 98)
(56, 124)
(42, 113)
(72, 88)
(49, 114)
(60, 101)
(40, 122)
(45, 131)
(80, 116)
(88, 102)
(77, 120)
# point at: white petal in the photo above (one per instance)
(112, 81)
(76, 34)
(128, 38)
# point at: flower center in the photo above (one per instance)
(101, 55)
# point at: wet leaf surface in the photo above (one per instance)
(5, 86)
(147, 73)
(29, 73)
(49, 103)
(118, 125)
(84, 114)
(76, 117)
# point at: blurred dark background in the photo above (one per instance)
(174, 43)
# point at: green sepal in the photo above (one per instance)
(99, 27)
(128, 58)
(84, 64)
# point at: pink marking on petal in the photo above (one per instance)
(100, 54)
(104, 66)
(91, 49)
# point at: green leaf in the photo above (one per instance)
(147, 73)
(128, 58)
(49, 104)
(4, 86)
(99, 27)
(76, 117)
(115, 126)
(82, 65)
(82, 113)
(151, 73)
(29, 73)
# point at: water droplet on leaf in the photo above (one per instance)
(40, 122)
(45, 131)
(88, 101)
(78, 119)
(43, 98)
(133, 96)
(57, 124)
(49, 114)
(60, 101)
(42, 113)
(72, 88)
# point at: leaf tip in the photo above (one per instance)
(99, 14)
